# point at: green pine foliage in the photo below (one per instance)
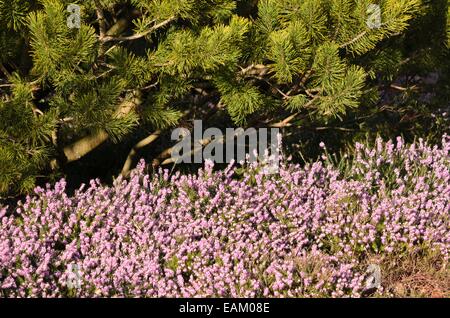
(141, 65)
(24, 139)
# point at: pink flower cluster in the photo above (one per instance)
(306, 231)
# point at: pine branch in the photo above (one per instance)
(355, 39)
(286, 122)
(141, 144)
(162, 156)
(203, 142)
(101, 19)
(254, 70)
(86, 144)
(4, 70)
(101, 26)
(138, 35)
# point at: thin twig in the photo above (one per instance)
(101, 19)
(356, 38)
(101, 26)
(141, 144)
(203, 142)
(4, 70)
(138, 35)
(254, 69)
(286, 122)
(336, 128)
(400, 88)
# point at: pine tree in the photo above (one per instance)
(142, 65)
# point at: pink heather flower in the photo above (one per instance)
(301, 232)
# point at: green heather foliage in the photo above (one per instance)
(139, 66)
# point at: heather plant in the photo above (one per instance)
(238, 232)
